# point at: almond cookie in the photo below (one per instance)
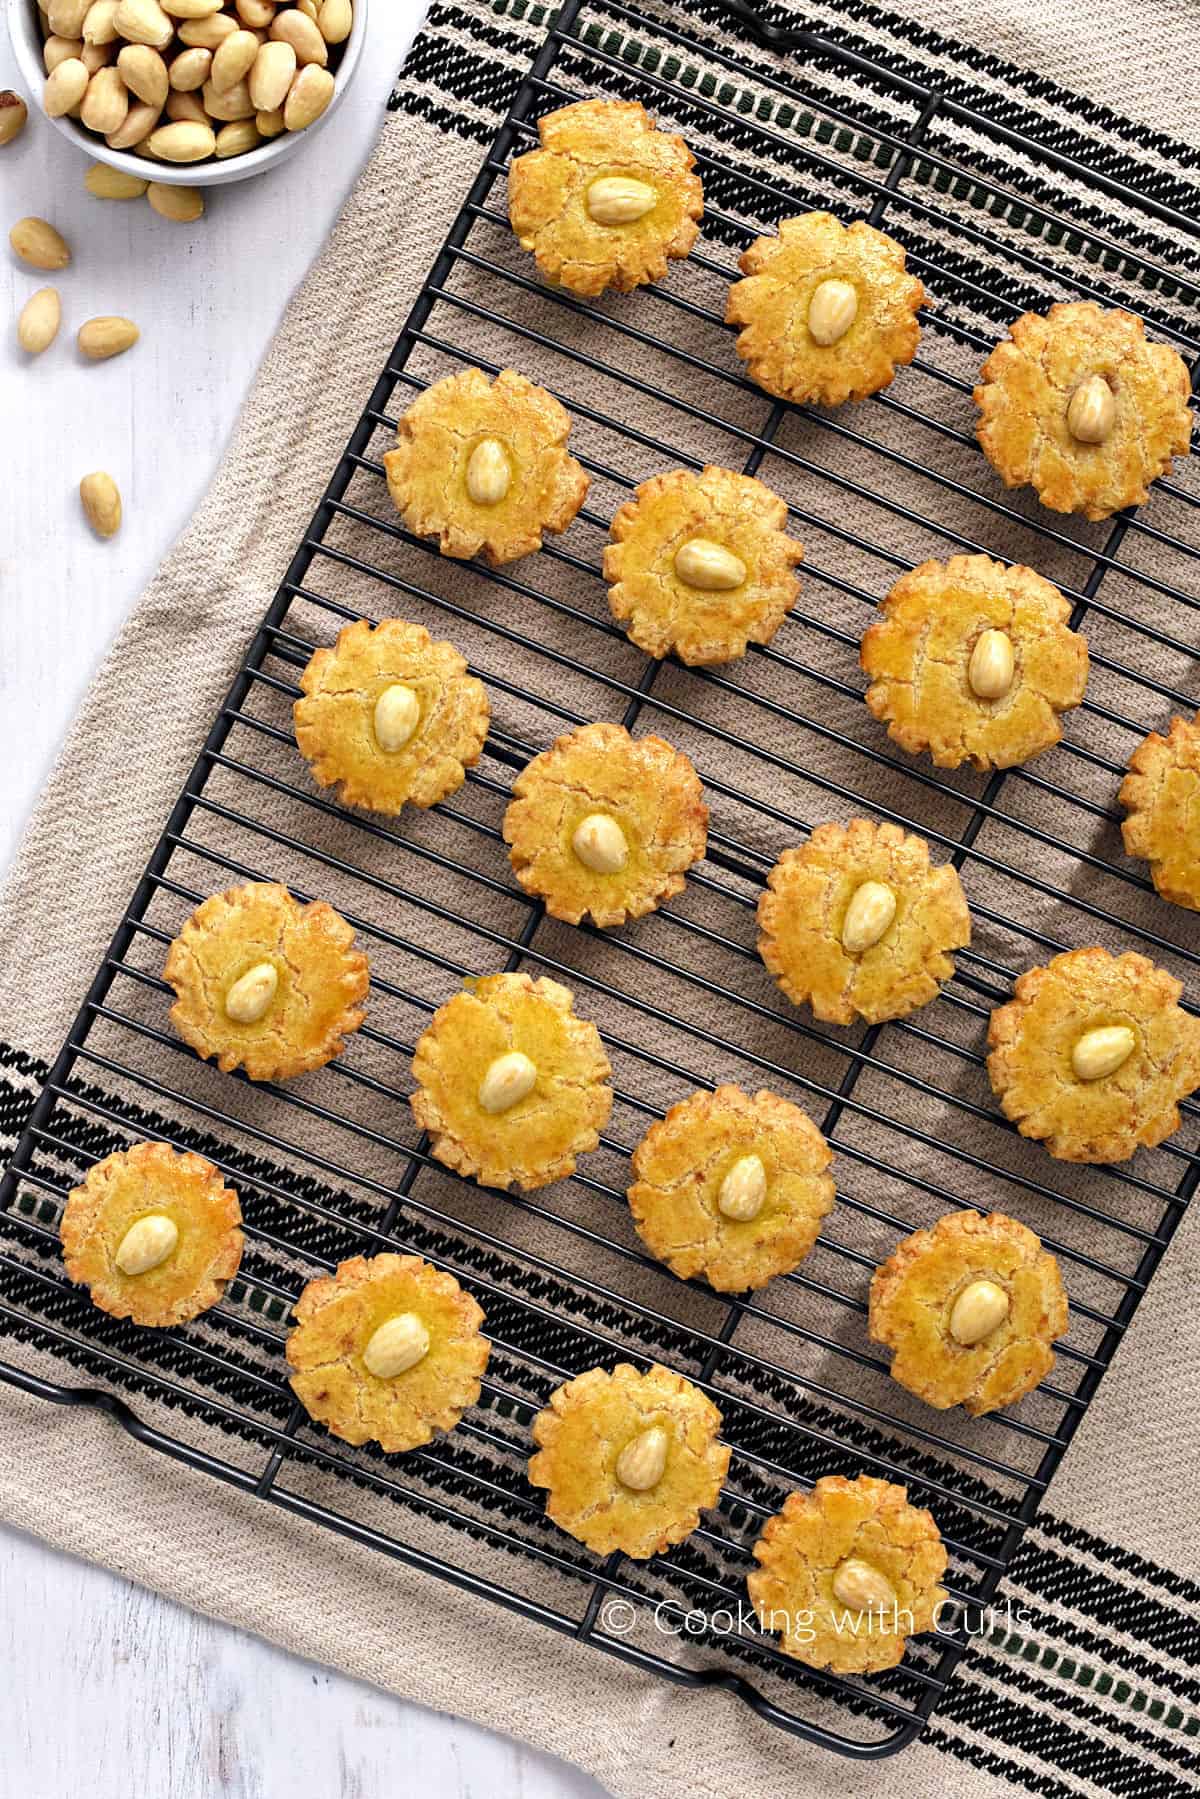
(630, 1459)
(1077, 405)
(857, 924)
(731, 1187)
(389, 717)
(1160, 793)
(606, 199)
(700, 564)
(605, 823)
(481, 465)
(827, 313)
(847, 1574)
(1093, 1055)
(265, 983)
(973, 662)
(511, 1086)
(388, 1350)
(154, 1234)
(971, 1309)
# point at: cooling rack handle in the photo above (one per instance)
(774, 37)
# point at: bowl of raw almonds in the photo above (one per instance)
(194, 92)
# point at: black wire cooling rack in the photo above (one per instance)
(332, 1164)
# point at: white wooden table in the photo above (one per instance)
(107, 1689)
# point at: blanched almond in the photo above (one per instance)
(65, 88)
(1092, 411)
(642, 1462)
(291, 27)
(271, 76)
(108, 336)
(39, 245)
(979, 1309)
(233, 59)
(40, 318)
(1101, 1052)
(140, 121)
(236, 138)
(106, 103)
(250, 996)
(144, 73)
(58, 49)
(270, 124)
(743, 1190)
(257, 14)
(619, 200)
(182, 205)
(308, 97)
(600, 843)
(709, 566)
(99, 23)
(334, 20)
(861, 1586)
(192, 9)
(144, 22)
(206, 34)
(507, 1080)
(185, 109)
(870, 913)
(146, 1244)
(101, 503)
(831, 311)
(234, 103)
(190, 70)
(183, 141)
(98, 56)
(66, 17)
(398, 1345)
(113, 184)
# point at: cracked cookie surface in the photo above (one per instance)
(1032, 1065)
(536, 1138)
(319, 981)
(1161, 794)
(538, 486)
(553, 199)
(583, 1436)
(773, 305)
(344, 691)
(152, 1180)
(647, 565)
(914, 1295)
(1025, 395)
(804, 1550)
(646, 789)
(921, 652)
(337, 1321)
(732, 1187)
(803, 919)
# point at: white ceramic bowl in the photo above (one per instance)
(25, 31)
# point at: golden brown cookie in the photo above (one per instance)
(731, 1187)
(700, 564)
(856, 923)
(265, 983)
(606, 199)
(847, 1574)
(154, 1234)
(482, 465)
(971, 1309)
(630, 1459)
(1093, 1055)
(605, 823)
(827, 312)
(1079, 406)
(511, 1086)
(389, 717)
(973, 662)
(388, 1350)
(1161, 794)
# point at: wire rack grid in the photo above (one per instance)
(333, 1165)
